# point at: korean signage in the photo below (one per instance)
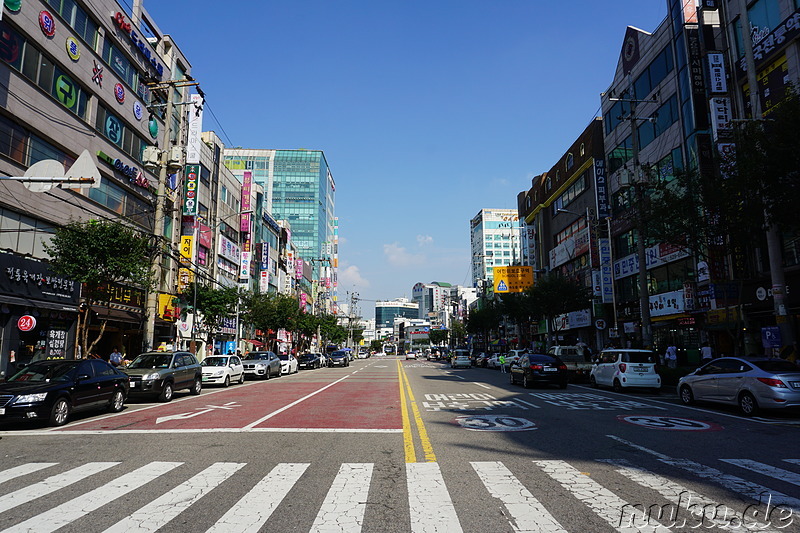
(244, 266)
(575, 319)
(716, 73)
(116, 293)
(786, 32)
(204, 236)
(190, 186)
(56, 343)
(721, 116)
(571, 248)
(166, 309)
(512, 278)
(185, 278)
(33, 279)
(658, 255)
(606, 275)
(134, 174)
(229, 250)
(668, 303)
(228, 325)
(601, 189)
(263, 282)
(194, 142)
(187, 249)
(298, 269)
(140, 44)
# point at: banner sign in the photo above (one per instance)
(190, 185)
(606, 275)
(229, 250)
(263, 282)
(33, 279)
(658, 255)
(716, 73)
(668, 303)
(194, 141)
(601, 189)
(298, 269)
(187, 249)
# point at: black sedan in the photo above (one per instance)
(339, 358)
(51, 390)
(310, 360)
(540, 369)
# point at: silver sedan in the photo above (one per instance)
(752, 384)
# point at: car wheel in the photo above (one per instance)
(617, 386)
(687, 397)
(747, 404)
(166, 392)
(59, 413)
(525, 383)
(511, 378)
(227, 381)
(197, 387)
(592, 382)
(268, 373)
(117, 401)
(241, 378)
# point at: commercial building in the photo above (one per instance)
(494, 241)
(387, 310)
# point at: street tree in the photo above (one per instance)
(555, 295)
(271, 312)
(482, 321)
(210, 306)
(438, 336)
(98, 254)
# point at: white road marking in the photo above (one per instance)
(160, 511)
(23, 470)
(253, 510)
(761, 468)
(285, 407)
(680, 496)
(746, 488)
(517, 400)
(481, 385)
(602, 501)
(527, 513)
(429, 501)
(207, 430)
(346, 501)
(51, 484)
(84, 504)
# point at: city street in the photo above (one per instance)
(394, 445)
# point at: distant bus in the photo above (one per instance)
(389, 349)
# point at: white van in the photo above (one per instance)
(624, 368)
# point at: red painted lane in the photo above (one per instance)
(373, 403)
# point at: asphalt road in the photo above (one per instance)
(392, 445)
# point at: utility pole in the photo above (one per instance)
(163, 163)
(772, 236)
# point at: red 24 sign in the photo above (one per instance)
(26, 323)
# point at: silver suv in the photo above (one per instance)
(162, 373)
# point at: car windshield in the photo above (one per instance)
(256, 355)
(151, 361)
(777, 365)
(639, 357)
(541, 358)
(41, 372)
(215, 361)
(338, 354)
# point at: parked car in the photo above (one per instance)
(52, 390)
(310, 360)
(539, 369)
(481, 360)
(338, 358)
(222, 370)
(624, 368)
(289, 364)
(752, 384)
(461, 360)
(411, 355)
(261, 365)
(493, 361)
(160, 374)
(578, 361)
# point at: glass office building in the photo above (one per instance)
(299, 188)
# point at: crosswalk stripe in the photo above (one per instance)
(346, 501)
(761, 468)
(602, 501)
(50, 485)
(160, 511)
(23, 470)
(85, 503)
(253, 510)
(527, 513)
(722, 517)
(750, 489)
(793, 461)
(429, 501)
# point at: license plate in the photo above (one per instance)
(640, 369)
(550, 369)
(795, 384)
(133, 384)
(2, 410)
(206, 379)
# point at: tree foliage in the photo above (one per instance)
(438, 336)
(554, 295)
(96, 254)
(213, 304)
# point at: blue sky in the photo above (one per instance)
(426, 111)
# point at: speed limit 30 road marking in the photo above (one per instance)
(670, 423)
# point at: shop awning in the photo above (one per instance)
(120, 315)
(255, 343)
(38, 304)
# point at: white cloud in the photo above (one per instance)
(424, 240)
(351, 276)
(398, 256)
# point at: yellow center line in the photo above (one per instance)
(408, 436)
(427, 448)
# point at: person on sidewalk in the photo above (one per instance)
(502, 360)
(671, 356)
(706, 353)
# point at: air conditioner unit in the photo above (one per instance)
(150, 159)
(175, 157)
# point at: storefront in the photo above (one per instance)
(122, 307)
(38, 313)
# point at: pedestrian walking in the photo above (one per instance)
(502, 360)
(671, 356)
(706, 353)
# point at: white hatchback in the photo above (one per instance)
(222, 370)
(625, 368)
(289, 364)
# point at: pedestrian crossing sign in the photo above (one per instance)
(512, 278)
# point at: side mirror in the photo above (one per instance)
(82, 377)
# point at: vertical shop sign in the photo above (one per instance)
(606, 273)
(194, 142)
(190, 190)
(716, 73)
(601, 189)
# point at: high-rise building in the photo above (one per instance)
(387, 311)
(494, 241)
